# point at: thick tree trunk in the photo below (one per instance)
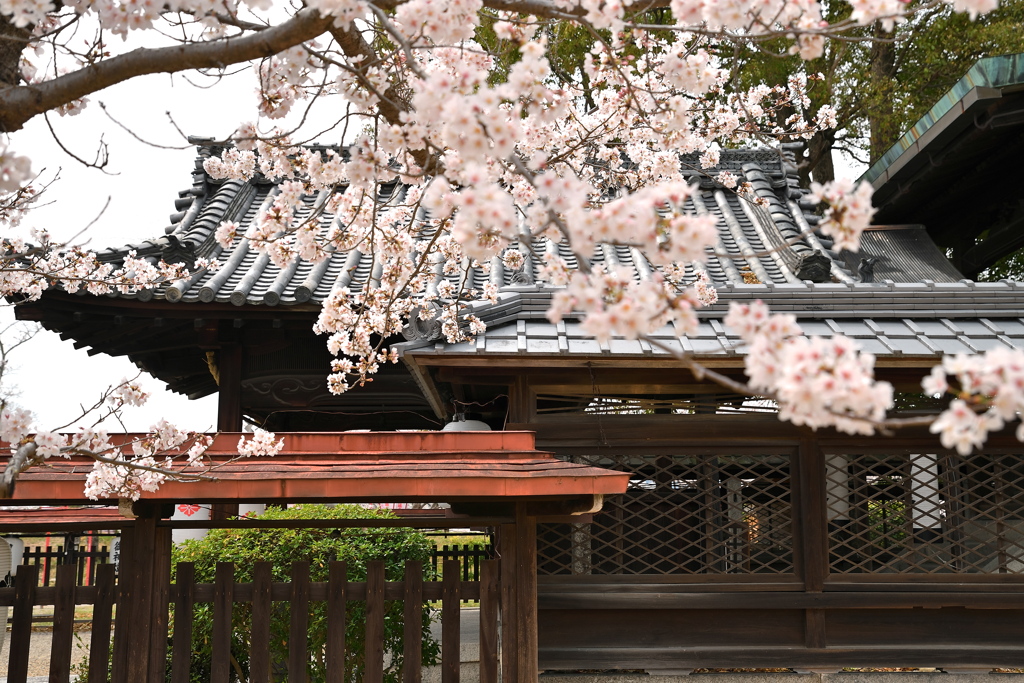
(12, 43)
(881, 113)
(819, 156)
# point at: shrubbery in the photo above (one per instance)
(282, 547)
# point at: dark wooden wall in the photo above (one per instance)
(952, 611)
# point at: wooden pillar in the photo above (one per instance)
(509, 612)
(140, 638)
(229, 410)
(813, 516)
(519, 648)
(229, 403)
(520, 401)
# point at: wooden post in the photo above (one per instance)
(122, 618)
(298, 644)
(259, 639)
(374, 645)
(337, 594)
(488, 576)
(223, 593)
(412, 594)
(813, 517)
(229, 410)
(184, 599)
(161, 581)
(63, 623)
(524, 594)
(141, 633)
(25, 584)
(140, 566)
(229, 400)
(509, 607)
(99, 648)
(451, 623)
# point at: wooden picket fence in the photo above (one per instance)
(48, 559)
(261, 593)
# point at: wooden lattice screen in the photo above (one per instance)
(925, 514)
(694, 514)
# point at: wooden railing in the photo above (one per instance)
(261, 594)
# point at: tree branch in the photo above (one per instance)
(20, 104)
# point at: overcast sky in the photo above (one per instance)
(141, 183)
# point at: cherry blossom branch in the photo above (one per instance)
(21, 103)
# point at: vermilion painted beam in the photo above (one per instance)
(372, 466)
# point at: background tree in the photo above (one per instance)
(880, 81)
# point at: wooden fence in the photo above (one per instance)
(48, 559)
(469, 557)
(264, 596)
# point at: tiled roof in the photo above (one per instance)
(927, 319)
(982, 81)
(767, 242)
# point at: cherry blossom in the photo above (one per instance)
(496, 159)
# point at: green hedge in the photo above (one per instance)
(282, 547)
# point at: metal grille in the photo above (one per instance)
(681, 515)
(925, 513)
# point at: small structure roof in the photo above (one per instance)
(941, 172)
(890, 320)
(364, 466)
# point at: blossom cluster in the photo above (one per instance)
(489, 157)
(849, 211)
(816, 382)
(990, 394)
(123, 470)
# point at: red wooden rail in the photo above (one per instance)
(261, 593)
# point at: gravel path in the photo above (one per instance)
(39, 655)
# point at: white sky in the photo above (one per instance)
(54, 379)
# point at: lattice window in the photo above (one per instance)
(925, 514)
(697, 404)
(692, 514)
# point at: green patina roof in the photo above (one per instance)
(990, 72)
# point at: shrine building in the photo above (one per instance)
(741, 540)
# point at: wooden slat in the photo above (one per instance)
(374, 646)
(337, 590)
(299, 627)
(103, 605)
(21, 622)
(63, 624)
(160, 612)
(220, 664)
(489, 599)
(413, 618)
(140, 564)
(122, 618)
(181, 650)
(450, 623)
(259, 638)
(509, 616)
(526, 647)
